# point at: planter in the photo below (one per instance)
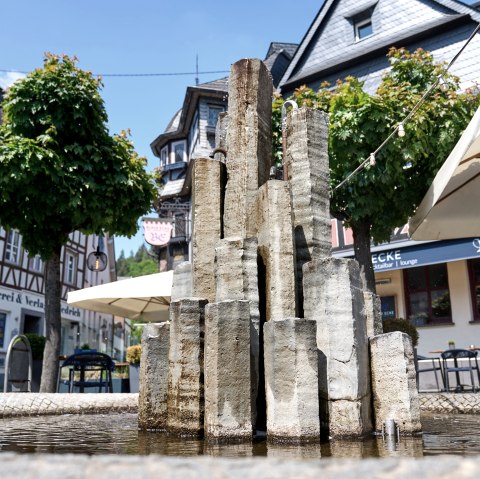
(121, 385)
(133, 376)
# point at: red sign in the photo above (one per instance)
(157, 233)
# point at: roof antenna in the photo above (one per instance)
(196, 78)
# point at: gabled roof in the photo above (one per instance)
(299, 72)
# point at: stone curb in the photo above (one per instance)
(34, 404)
(43, 466)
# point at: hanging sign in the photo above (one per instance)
(157, 232)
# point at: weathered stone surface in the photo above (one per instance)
(152, 400)
(182, 281)
(394, 387)
(276, 249)
(185, 398)
(221, 136)
(249, 142)
(373, 313)
(236, 276)
(308, 172)
(207, 210)
(51, 466)
(334, 298)
(291, 378)
(228, 392)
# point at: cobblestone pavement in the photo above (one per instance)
(32, 404)
(460, 403)
(41, 466)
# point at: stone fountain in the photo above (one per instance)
(267, 331)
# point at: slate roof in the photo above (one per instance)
(321, 50)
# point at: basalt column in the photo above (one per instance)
(185, 398)
(152, 400)
(334, 298)
(207, 209)
(291, 377)
(308, 173)
(228, 399)
(182, 281)
(249, 143)
(395, 394)
(276, 248)
(236, 279)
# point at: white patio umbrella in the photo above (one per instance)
(146, 296)
(451, 207)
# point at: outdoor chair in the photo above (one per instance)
(432, 365)
(469, 365)
(89, 370)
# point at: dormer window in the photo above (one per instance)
(363, 28)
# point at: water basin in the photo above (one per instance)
(118, 434)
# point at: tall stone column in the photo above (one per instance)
(152, 399)
(308, 174)
(373, 313)
(207, 204)
(275, 246)
(395, 394)
(291, 379)
(185, 398)
(334, 298)
(182, 281)
(228, 394)
(249, 143)
(236, 277)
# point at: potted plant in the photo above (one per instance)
(133, 358)
(37, 345)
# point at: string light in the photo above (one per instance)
(400, 129)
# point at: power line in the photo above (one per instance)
(136, 74)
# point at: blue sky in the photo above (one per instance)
(147, 36)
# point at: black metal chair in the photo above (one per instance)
(432, 365)
(89, 370)
(469, 365)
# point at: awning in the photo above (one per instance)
(146, 297)
(450, 209)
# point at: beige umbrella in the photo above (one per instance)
(450, 209)
(146, 297)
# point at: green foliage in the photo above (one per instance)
(60, 170)
(136, 265)
(37, 344)
(385, 195)
(402, 325)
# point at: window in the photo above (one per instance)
(180, 225)
(164, 156)
(427, 294)
(3, 320)
(213, 112)
(35, 263)
(179, 152)
(12, 251)
(474, 271)
(363, 28)
(70, 268)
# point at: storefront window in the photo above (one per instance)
(3, 320)
(427, 294)
(474, 269)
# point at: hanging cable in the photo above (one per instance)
(135, 74)
(399, 129)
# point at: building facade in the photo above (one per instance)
(22, 295)
(433, 284)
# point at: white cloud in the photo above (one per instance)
(7, 78)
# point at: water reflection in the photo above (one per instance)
(118, 434)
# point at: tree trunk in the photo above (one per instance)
(361, 246)
(53, 323)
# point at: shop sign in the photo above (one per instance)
(30, 301)
(426, 253)
(157, 233)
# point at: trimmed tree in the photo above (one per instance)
(383, 196)
(61, 171)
